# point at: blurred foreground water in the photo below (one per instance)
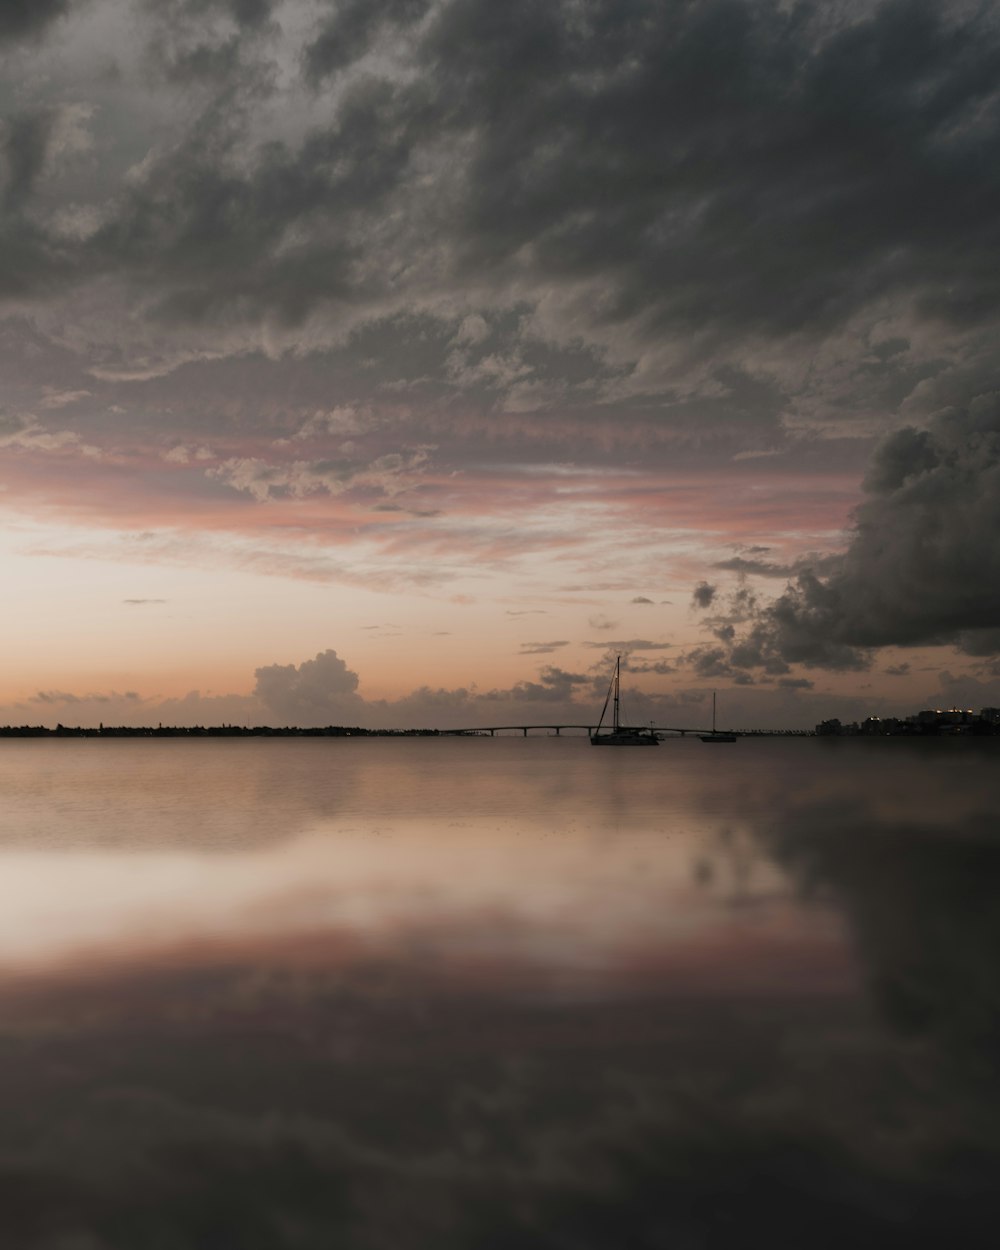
(382, 994)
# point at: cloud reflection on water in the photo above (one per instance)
(498, 1034)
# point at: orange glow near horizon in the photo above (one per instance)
(512, 571)
(201, 592)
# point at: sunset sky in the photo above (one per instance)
(399, 362)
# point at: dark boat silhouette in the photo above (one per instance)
(620, 735)
(717, 735)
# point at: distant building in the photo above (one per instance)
(930, 722)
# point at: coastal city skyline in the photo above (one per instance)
(401, 364)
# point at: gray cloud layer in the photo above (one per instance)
(712, 166)
(20, 19)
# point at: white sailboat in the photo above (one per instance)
(620, 735)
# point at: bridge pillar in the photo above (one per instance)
(525, 731)
(558, 727)
(491, 733)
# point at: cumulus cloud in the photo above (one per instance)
(922, 565)
(316, 692)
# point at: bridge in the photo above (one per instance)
(661, 731)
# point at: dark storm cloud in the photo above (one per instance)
(31, 261)
(21, 19)
(25, 142)
(923, 563)
(981, 642)
(730, 164)
(244, 13)
(353, 25)
(210, 43)
(211, 236)
(250, 13)
(723, 166)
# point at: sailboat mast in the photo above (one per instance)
(619, 735)
(713, 711)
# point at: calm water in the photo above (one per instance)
(384, 994)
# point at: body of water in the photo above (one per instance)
(382, 994)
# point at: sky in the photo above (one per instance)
(401, 362)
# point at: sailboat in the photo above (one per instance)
(717, 735)
(620, 735)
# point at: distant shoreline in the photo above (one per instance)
(977, 731)
(212, 731)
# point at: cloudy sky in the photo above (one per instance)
(399, 361)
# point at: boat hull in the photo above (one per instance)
(624, 739)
